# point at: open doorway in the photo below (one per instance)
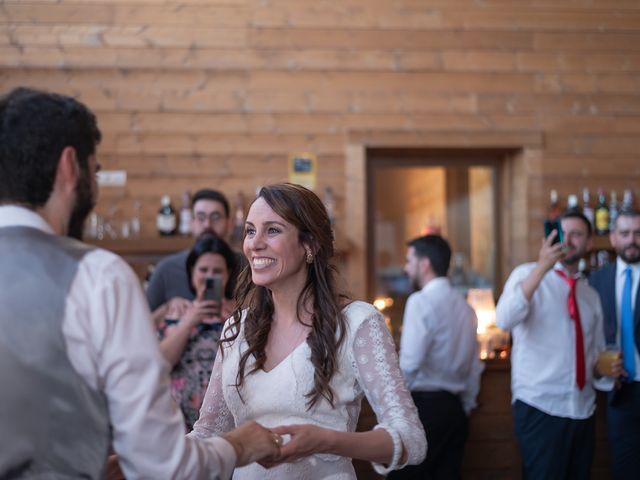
(413, 192)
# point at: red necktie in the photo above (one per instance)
(574, 313)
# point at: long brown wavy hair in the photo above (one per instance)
(303, 209)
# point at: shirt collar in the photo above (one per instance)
(435, 284)
(621, 265)
(15, 216)
(560, 266)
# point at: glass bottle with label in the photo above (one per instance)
(613, 209)
(572, 202)
(587, 211)
(166, 220)
(185, 215)
(627, 199)
(602, 214)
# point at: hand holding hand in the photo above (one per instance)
(252, 442)
(113, 469)
(305, 440)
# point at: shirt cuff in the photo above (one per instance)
(227, 455)
(397, 452)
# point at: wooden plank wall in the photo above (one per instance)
(216, 93)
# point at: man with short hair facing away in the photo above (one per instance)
(80, 367)
(439, 359)
(168, 291)
(556, 323)
(618, 286)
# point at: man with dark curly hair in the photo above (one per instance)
(80, 367)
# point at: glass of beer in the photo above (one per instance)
(607, 357)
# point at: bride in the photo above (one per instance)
(299, 356)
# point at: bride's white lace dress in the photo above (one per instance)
(368, 365)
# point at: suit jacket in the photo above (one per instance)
(604, 281)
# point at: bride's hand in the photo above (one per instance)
(305, 440)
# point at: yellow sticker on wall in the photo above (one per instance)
(302, 169)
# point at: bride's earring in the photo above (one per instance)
(309, 256)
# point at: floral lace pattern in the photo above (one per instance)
(369, 366)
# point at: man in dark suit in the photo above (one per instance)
(618, 286)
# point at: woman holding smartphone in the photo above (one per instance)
(189, 343)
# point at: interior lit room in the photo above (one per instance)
(476, 121)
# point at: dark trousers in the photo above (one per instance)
(446, 426)
(623, 425)
(553, 448)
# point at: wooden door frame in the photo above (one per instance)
(515, 149)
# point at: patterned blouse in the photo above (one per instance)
(190, 376)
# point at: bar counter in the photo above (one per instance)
(491, 451)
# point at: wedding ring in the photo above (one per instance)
(277, 439)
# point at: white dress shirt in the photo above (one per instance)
(543, 358)
(112, 345)
(439, 347)
(621, 265)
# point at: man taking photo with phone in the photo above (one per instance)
(556, 321)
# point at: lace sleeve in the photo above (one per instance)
(215, 417)
(376, 365)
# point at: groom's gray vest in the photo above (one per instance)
(52, 424)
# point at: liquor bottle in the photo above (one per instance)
(554, 207)
(237, 234)
(627, 200)
(166, 219)
(613, 209)
(587, 211)
(572, 202)
(185, 215)
(602, 214)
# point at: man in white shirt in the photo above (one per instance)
(556, 320)
(439, 358)
(80, 367)
(618, 286)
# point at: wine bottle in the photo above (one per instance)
(185, 215)
(572, 202)
(602, 214)
(613, 209)
(587, 211)
(166, 219)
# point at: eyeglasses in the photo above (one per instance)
(214, 217)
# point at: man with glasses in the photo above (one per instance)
(618, 285)
(169, 286)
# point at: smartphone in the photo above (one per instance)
(213, 288)
(550, 226)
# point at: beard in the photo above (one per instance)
(572, 258)
(630, 254)
(82, 207)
